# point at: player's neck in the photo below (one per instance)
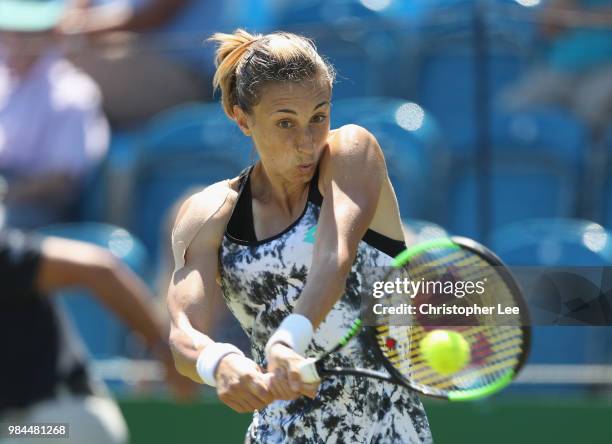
(271, 190)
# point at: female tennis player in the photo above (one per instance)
(285, 244)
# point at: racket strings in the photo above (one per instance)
(497, 345)
(415, 354)
(494, 351)
(445, 265)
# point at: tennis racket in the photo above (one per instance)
(497, 352)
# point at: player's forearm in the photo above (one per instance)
(185, 351)
(185, 304)
(192, 301)
(324, 289)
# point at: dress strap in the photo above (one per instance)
(243, 178)
(240, 225)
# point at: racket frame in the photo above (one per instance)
(314, 368)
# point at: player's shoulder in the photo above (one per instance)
(352, 146)
(202, 218)
(351, 139)
(213, 202)
(352, 129)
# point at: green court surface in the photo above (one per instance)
(522, 420)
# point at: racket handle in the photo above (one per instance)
(308, 371)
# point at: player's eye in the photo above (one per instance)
(319, 118)
(284, 124)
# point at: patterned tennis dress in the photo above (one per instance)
(261, 280)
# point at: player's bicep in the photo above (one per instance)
(194, 293)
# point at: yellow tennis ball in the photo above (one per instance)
(445, 351)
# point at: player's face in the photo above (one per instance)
(290, 126)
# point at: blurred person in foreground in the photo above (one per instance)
(52, 130)
(576, 72)
(45, 378)
(145, 55)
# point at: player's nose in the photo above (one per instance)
(304, 143)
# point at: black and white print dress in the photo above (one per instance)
(261, 281)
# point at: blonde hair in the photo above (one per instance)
(245, 62)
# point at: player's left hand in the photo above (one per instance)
(285, 380)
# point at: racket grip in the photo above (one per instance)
(308, 371)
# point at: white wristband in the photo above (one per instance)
(209, 360)
(295, 331)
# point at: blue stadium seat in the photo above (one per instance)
(104, 335)
(410, 140)
(446, 80)
(370, 59)
(97, 203)
(560, 243)
(92, 205)
(353, 77)
(361, 54)
(292, 13)
(553, 242)
(448, 65)
(188, 146)
(606, 198)
(537, 161)
(418, 11)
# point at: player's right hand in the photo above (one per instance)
(286, 381)
(241, 385)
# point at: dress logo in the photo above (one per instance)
(309, 237)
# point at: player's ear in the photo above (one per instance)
(242, 120)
